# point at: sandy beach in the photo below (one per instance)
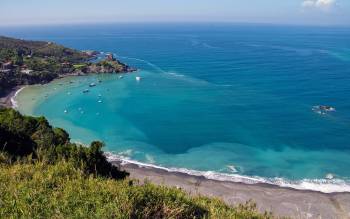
(6, 99)
(281, 201)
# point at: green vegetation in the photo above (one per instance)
(44, 175)
(28, 136)
(62, 191)
(79, 66)
(40, 49)
(30, 62)
(25, 62)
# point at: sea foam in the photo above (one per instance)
(14, 103)
(320, 185)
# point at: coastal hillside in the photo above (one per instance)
(40, 49)
(44, 175)
(24, 62)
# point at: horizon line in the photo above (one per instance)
(172, 22)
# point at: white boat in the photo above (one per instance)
(138, 78)
(86, 91)
(65, 111)
(92, 85)
(100, 101)
(323, 109)
(120, 77)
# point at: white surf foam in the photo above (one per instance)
(320, 185)
(14, 103)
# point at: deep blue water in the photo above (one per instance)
(212, 96)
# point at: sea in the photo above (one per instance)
(232, 102)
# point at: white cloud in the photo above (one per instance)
(321, 4)
(308, 3)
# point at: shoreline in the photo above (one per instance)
(7, 99)
(282, 201)
(323, 186)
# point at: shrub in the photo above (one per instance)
(61, 190)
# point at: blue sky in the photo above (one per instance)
(317, 12)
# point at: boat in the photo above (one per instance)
(323, 109)
(100, 101)
(138, 78)
(86, 91)
(120, 77)
(65, 111)
(92, 85)
(327, 108)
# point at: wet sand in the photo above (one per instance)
(281, 201)
(5, 99)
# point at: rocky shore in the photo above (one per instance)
(24, 62)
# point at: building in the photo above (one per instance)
(26, 71)
(5, 71)
(110, 57)
(7, 65)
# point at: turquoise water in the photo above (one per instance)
(229, 99)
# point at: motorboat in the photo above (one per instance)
(323, 109)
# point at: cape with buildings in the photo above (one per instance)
(24, 62)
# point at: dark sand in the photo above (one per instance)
(5, 99)
(281, 201)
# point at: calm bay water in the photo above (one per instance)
(229, 99)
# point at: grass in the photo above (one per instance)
(44, 175)
(79, 66)
(40, 190)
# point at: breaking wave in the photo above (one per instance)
(320, 185)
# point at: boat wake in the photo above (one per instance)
(320, 185)
(154, 66)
